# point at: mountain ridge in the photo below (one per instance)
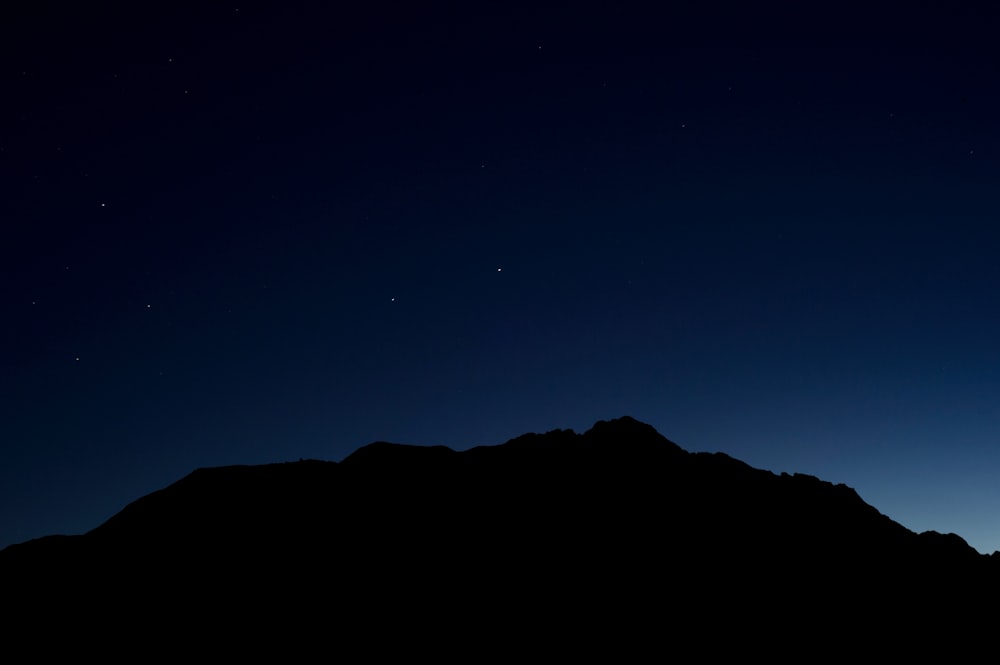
(554, 524)
(399, 456)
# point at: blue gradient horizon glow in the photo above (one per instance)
(254, 238)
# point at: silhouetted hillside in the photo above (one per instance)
(614, 536)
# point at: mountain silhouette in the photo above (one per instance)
(615, 539)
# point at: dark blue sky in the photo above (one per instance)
(264, 231)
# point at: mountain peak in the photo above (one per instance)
(628, 429)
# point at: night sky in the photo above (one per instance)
(240, 233)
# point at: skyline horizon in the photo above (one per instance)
(249, 233)
(578, 431)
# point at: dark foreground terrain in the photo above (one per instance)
(615, 542)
